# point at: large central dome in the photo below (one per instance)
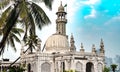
(57, 43)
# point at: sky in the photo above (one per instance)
(88, 21)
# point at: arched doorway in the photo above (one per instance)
(100, 67)
(89, 67)
(79, 67)
(45, 67)
(29, 67)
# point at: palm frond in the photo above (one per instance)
(4, 3)
(31, 24)
(16, 38)
(12, 43)
(23, 12)
(17, 31)
(11, 20)
(4, 16)
(40, 16)
(9, 25)
(48, 3)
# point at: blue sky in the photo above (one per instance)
(98, 19)
(89, 21)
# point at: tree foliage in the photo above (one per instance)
(113, 67)
(24, 12)
(106, 69)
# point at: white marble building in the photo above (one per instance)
(60, 55)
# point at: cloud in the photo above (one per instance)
(91, 15)
(113, 20)
(90, 2)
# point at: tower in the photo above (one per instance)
(61, 21)
(93, 49)
(101, 47)
(82, 49)
(72, 44)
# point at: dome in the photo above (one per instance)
(61, 8)
(57, 43)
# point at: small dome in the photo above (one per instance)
(61, 8)
(57, 43)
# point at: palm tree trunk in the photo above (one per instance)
(9, 25)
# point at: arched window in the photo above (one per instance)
(79, 67)
(45, 67)
(63, 66)
(89, 67)
(100, 67)
(29, 67)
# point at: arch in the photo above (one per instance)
(45, 67)
(89, 67)
(29, 67)
(79, 66)
(100, 67)
(63, 66)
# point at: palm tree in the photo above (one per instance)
(32, 42)
(12, 37)
(106, 69)
(26, 12)
(113, 66)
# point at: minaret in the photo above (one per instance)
(72, 44)
(82, 49)
(61, 20)
(102, 47)
(93, 49)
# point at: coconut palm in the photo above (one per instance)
(113, 66)
(26, 12)
(12, 37)
(106, 69)
(31, 42)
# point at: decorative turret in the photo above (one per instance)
(39, 45)
(82, 49)
(61, 20)
(102, 47)
(93, 49)
(22, 48)
(72, 44)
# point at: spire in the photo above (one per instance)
(60, 3)
(61, 8)
(93, 49)
(72, 45)
(82, 50)
(101, 47)
(61, 20)
(81, 45)
(101, 44)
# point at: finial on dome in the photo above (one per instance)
(61, 8)
(60, 3)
